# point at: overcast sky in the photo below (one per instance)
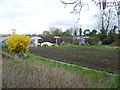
(35, 16)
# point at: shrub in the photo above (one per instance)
(94, 39)
(18, 43)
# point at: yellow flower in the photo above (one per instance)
(18, 43)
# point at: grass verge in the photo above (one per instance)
(96, 46)
(98, 78)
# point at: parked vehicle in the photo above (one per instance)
(46, 44)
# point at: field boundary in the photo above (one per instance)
(78, 65)
(93, 58)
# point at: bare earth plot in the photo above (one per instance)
(94, 58)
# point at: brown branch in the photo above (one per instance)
(76, 8)
(69, 2)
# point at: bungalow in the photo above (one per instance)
(36, 41)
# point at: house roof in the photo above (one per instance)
(3, 38)
(56, 37)
(35, 37)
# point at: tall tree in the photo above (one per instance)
(106, 20)
(87, 32)
(94, 32)
(75, 33)
(74, 30)
(68, 32)
(55, 31)
(80, 32)
(45, 33)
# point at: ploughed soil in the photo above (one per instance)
(90, 57)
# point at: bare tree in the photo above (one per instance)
(78, 4)
(106, 20)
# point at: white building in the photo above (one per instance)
(36, 41)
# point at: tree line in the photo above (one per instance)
(106, 37)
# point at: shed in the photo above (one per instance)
(36, 41)
(56, 39)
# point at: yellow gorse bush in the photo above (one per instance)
(18, 43)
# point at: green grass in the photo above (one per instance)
(73, 70)
(114, 82)
(96, 46)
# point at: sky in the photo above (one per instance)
(35, 16)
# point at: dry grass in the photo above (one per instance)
(22, 73)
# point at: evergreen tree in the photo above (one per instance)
(80, 32)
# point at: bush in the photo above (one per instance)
(94, 40)
(67, 40)
(18, 43)
(116, 43)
